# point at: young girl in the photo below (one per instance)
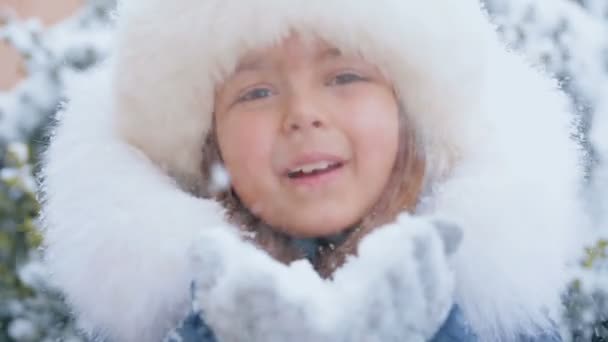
(332, 119)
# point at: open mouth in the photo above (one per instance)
(313, 170)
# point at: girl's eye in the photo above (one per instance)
(255, 94)
(346, 78)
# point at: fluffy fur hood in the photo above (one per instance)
(118, 219)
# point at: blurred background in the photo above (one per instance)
(48, 13)
(43, 42)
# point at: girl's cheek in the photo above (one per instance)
(373, 121)
(248, 137)
(367, 107)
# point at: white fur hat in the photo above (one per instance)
(166, 71)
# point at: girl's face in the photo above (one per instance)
(309, 136)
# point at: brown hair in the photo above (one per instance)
(401, 193)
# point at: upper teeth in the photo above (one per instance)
(309, 168)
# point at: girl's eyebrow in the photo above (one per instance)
(252, 62)
(250, 65)
(330, 53)
(256, 63)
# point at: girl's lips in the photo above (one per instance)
(312, 158)
(299, 172)
(317, 178)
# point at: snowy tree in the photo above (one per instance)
(30, 309)
(569, 38)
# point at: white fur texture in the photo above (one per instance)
(118, 226)
(169, 116)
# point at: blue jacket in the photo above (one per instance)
(455, 329)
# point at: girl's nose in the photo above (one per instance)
(302, 113)
(295, 126)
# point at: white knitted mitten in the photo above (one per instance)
(398, 288)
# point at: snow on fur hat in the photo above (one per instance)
(165, 76)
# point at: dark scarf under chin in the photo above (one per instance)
(314, 249)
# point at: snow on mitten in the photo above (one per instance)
(246, 295)
(407, 288)
(398, 288)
